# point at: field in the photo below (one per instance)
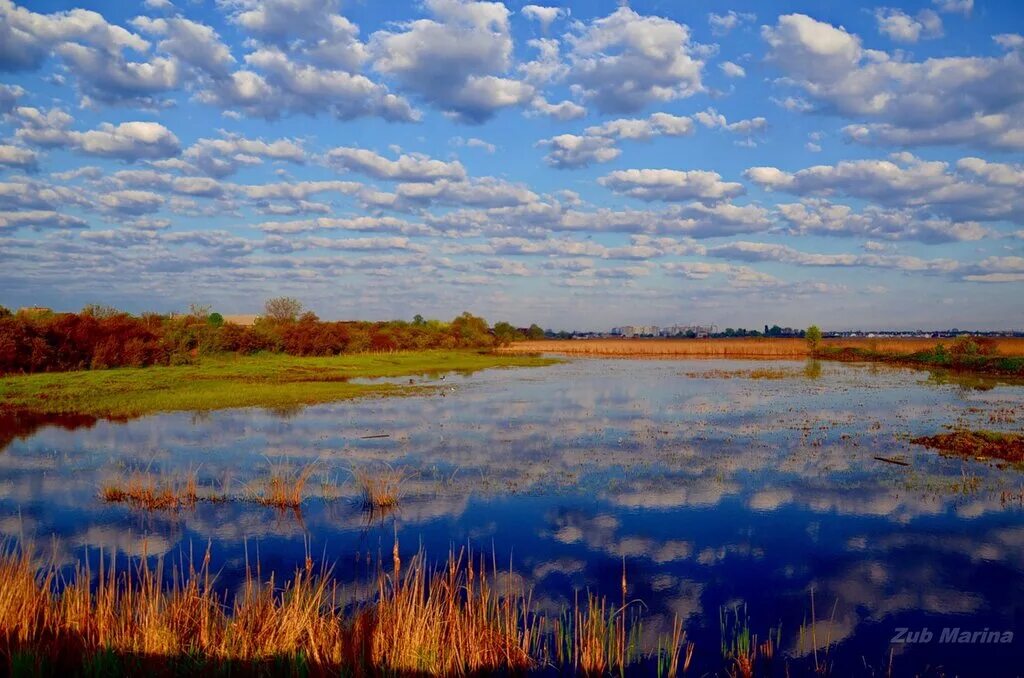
(733, 348)
(215, 382)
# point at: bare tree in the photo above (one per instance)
(282, 309)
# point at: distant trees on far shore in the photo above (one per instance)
(39, 340)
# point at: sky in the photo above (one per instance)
(580, 166)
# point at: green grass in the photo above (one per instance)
(222, 381)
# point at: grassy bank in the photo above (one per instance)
(222, 381)
(937, 357)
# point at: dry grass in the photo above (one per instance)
(734, 348)
(454, 621)
(284, 487)
(153, 492)
(379, 489)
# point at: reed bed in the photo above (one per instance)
(454, 620)
(750, 347)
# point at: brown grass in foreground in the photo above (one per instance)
(455, 621)
(734, 348)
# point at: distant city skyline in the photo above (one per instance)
(587, 165)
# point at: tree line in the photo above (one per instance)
(98, 337)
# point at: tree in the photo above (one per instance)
(813, 337)
(282, 309)
(535, 332)
(418, 320)
(505, 333)
(215, 319)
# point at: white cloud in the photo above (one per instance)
(411, 167)
(626, 61)
(672, 185)
(974, 190)
(545, 16)
(285, 86)
(945, 100)
(821, 217)
(964, 7)
(570, 150)
(16, 156)
(758, 251)
(223, 156)
(456, 60)
(732, 70)
(192, 43)
(38, 220)
(564, 110)
(902, 27)
(597, 144)
(723, 24)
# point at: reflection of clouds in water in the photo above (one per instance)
(693, 482)
(654, 495)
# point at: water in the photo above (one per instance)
(714, 488)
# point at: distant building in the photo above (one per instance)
(627, 331)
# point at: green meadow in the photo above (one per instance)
(230, 380)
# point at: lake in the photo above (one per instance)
(723, 488)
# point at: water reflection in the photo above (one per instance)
(713, 490)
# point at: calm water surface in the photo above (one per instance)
(715, 488)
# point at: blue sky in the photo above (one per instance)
(580, 166)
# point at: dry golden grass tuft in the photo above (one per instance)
(379, 488)
(152, 492)
(284, 487)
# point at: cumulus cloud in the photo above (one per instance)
(945, 100)
(128, 141)
(570, 150)
(279, 85)
(902, 27)
(671, 185)
(625, 61)
(190, 42)
(973, 190)
(407, 167)
(38, 220)
(482, 192)
(18, 157)
(597, 143)
(27, 38)
(732, 70)
(723, 24)
(759, 251)
(457, 60)
(545, 16)
(822, 217)
(564, 110)
(222, 157)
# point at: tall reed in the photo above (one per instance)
(458, 619)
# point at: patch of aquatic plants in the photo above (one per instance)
(977, 444)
